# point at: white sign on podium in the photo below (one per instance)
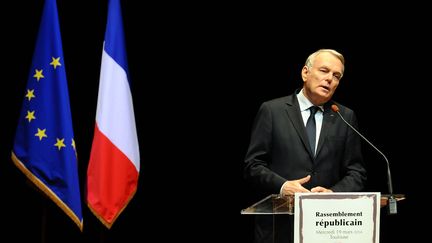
(342, 217)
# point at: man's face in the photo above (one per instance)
(322, 79)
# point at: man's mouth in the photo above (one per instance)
(325, 87)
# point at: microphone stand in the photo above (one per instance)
(392, 202)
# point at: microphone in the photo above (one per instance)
(392, 209)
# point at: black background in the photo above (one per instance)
(199, 73)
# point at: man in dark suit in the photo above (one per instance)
(281, 159)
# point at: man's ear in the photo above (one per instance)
(304, 73)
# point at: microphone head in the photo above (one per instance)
(335, 108)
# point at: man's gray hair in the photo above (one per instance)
(310, 60)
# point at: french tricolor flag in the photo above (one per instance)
(112, 174)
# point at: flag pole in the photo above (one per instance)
(44, 223)
(102, 235)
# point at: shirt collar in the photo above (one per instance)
(304, 103)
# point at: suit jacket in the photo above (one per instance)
(279, 151)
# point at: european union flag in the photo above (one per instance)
(44, 146)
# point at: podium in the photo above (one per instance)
(277, 204)
(309, 225)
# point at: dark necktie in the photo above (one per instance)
(311, 127)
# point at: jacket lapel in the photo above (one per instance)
(328, 119)
(293, 110)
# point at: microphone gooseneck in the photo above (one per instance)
(391, 200)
